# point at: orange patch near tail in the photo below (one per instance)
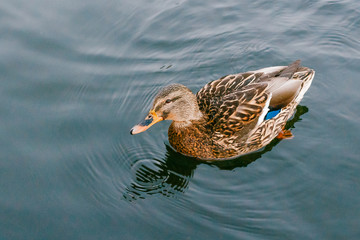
(285, 134)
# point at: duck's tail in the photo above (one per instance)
(305, 75)
(288, 85)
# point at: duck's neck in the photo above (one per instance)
(197, 114)
(188, 123)
(182, 124)
(194, 111)
(186, 111)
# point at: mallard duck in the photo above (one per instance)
(231, 116)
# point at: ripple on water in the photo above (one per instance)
(164, 176)
(340, 43)
(336, 36)
(122, 166)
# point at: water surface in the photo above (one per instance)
(76, 76)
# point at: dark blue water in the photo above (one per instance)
(77, 75)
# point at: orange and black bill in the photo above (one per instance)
(150, 120)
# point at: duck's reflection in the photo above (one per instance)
(172, 174)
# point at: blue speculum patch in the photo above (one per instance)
(272, 114)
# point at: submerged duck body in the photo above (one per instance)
(231, 116)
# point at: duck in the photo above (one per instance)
(231, 116)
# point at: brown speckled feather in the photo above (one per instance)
(233, 103)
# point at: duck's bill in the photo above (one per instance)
(150, 120)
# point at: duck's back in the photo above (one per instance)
(235, 105)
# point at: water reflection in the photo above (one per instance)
(171, 175)
(166, 177)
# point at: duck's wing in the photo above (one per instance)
(217, 89)
(239, 110)
(239, 102)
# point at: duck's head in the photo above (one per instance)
(174, 102)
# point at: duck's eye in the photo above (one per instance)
(168, 101)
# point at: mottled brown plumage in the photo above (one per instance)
(226, 117)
